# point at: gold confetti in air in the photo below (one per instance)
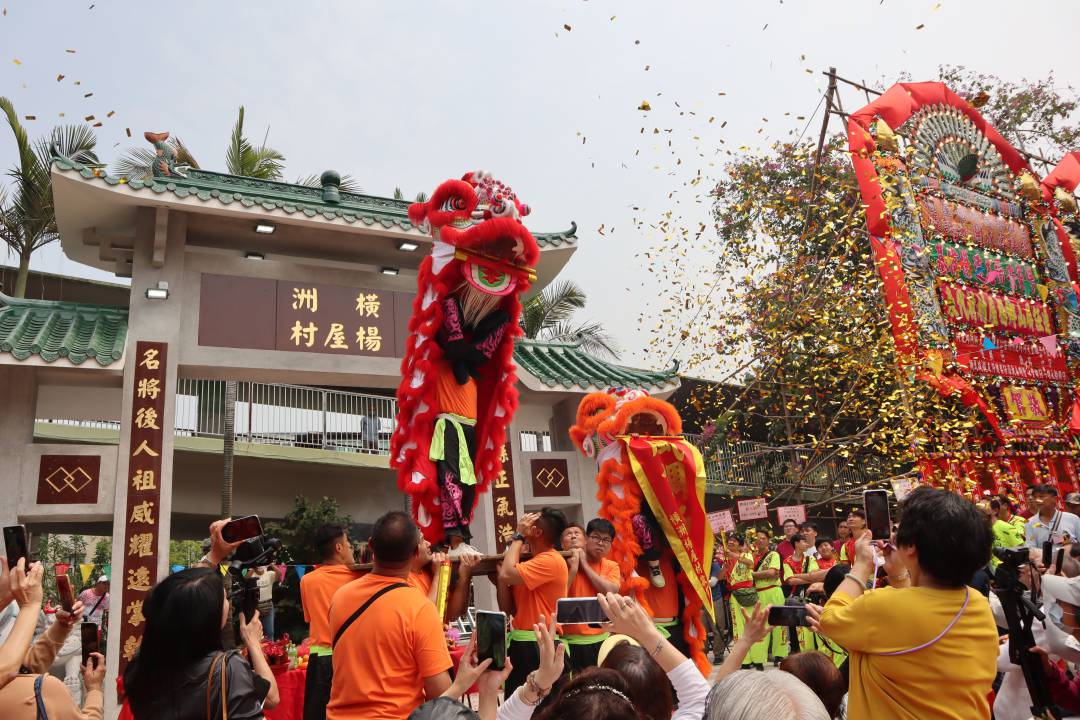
(98, 124)
(88, 118)
(30, 117)
(89, 94)
(70, 51)
(920, 26)
(645, 106)
(128, 131)
(17, 61)
(60, 77)
(110, 113)
(567, 28)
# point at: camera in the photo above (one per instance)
(1014, 557)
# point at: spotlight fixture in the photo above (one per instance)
(160, 292)
(407, 246)
(389, 271)
(252, 255)
(265, 228)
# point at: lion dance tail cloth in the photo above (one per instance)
(457, 392)
(641, 457)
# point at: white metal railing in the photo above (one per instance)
(270, 414)
(293, 415)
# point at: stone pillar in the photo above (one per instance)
(159, 256)
(18, 398)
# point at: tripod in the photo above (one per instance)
(1020, 614)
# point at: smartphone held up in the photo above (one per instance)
(876, 507)
(15, 544)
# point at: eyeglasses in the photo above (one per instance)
(600, 539)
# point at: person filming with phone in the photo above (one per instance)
(23, 694)
(926, 645)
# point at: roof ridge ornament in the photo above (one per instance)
(165, 164)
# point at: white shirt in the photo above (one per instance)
(1038, 532)
(265, 583)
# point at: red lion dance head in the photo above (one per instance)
(652, 489)
(457, 392)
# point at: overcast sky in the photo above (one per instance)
(407, 94)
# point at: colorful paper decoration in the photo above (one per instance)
(84, 570)
(986, 310)
(62, 568)
(1025, 404)
(985, 267)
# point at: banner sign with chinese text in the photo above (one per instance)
(671, 475)
(504, 502)
(791, 512)
(753, 509)
(1025, 404)
(982, 309)
(983, 267)
(263, 314)
(1026, 360)
(139, 570)
(721, 521)
(964, 223)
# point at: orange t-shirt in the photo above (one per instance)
(420, 580)
(544, 579)
(316, 589)
(664, 601)
(583, 587)
(451, 397)
(381, 660)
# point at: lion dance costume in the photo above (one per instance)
(457, 392)
(641, 455)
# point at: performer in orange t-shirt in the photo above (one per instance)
(590, 573)
(317, 588)
(536, 584)
(390, 652)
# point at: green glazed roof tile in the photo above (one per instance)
(210, 186)
(52, 330)
(560, 365)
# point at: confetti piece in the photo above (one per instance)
(920, 26)
(72, 52)
(612, 17)
(647, 67)
(110, 113)
(89, 94)
(30, 117)
(766, 25)
(637, 42)
(17, 61)
(98, 124)
(645, 106)
(78, 82)
(60, 77)
(62, 114)
(88, 118)
(567, 28)
(936, 7)
(128, 130)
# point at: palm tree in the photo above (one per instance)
(241, 158)
(547, 317)
(28, 222)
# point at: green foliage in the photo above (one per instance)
(243, 158)
(297, 534)
(27, 216)
(184, 552)
(547, 316)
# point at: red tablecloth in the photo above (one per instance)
(291, 688)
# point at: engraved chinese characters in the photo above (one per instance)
(504, 502)
(139, 571)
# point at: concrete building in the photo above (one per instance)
(297, 297)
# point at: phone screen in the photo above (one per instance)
(243, 528)
(250, 602)
(788, 616)
(1059, 559)
(1047, 553)
(491, 638)
(579, 611)
(64, 592)
(876, 505)
(15, 544)
(89, 640)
